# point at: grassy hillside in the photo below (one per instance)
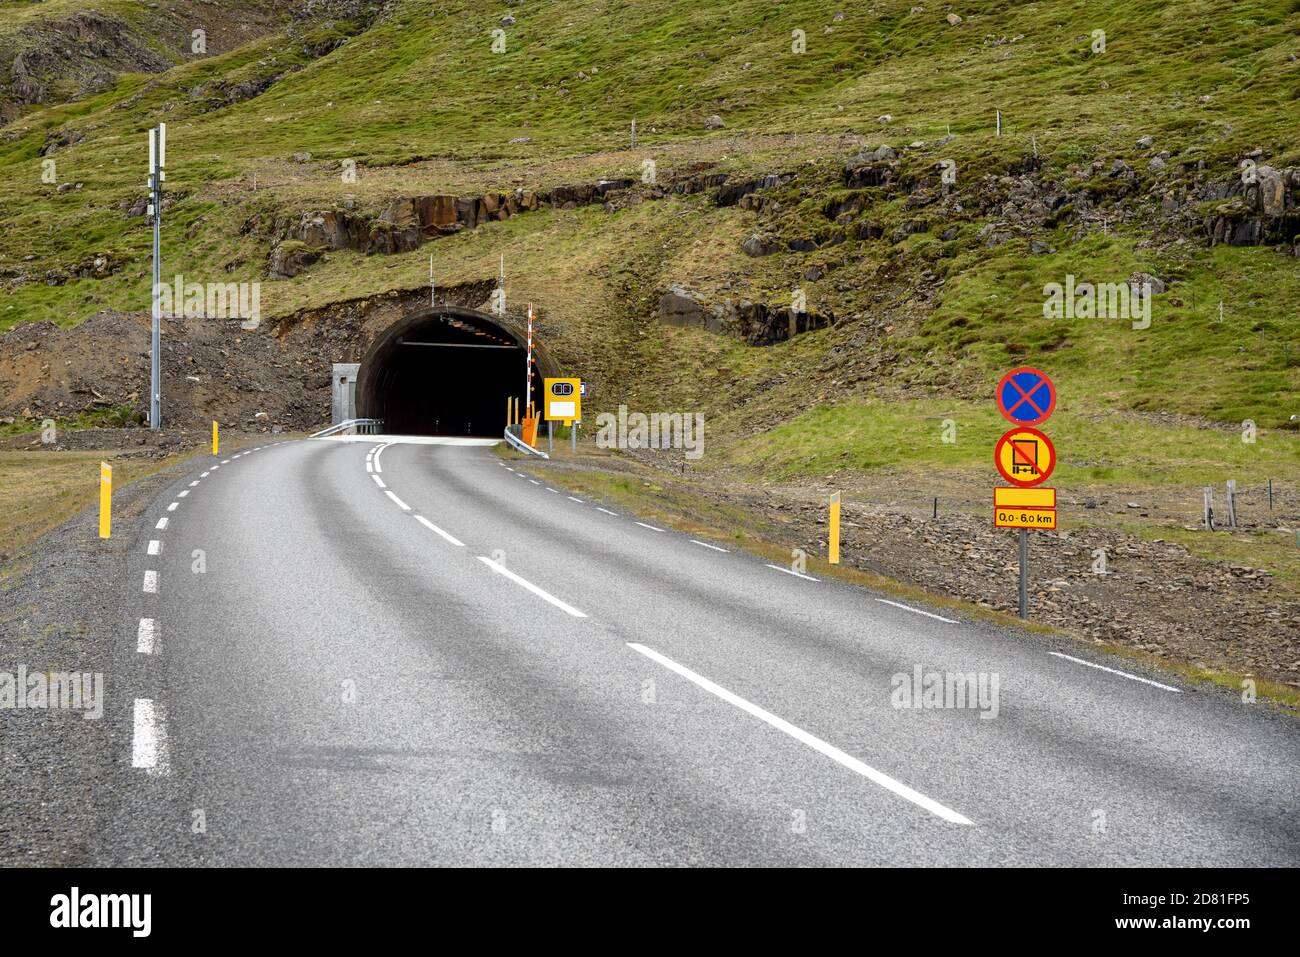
(419, 100)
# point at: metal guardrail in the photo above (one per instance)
(515, 439)
(352, 427)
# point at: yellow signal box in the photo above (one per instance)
(562, 400)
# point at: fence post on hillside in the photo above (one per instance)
(1209, 508)
(1270, 495)
(1232, 503)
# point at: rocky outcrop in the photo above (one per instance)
(289, 259)
(1261, 208)
(754, 323)
(730, 195)
(408, 221)
(871, 169)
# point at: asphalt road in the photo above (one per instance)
(465, 665)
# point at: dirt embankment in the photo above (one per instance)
(273, 378)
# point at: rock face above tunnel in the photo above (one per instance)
(754, 323)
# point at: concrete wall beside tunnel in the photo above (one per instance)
(447, 370)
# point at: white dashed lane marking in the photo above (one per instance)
(162, 522)
(696, 541)
(606, 511)
(151, 582)
(817, 744)
(651, 527)
(173, 506)
(434, 528)
(149, 740)
(886, 601)
(397, 501)
(145, 636)
(1122, 674)
(155, 547)
(379, 481)
(791, 571)
(523, 582)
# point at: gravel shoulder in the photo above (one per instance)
(61, 774)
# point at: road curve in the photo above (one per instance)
(357, 653)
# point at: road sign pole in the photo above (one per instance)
(157, 160)
(550, 435)
(573, 438)
(1024, 573)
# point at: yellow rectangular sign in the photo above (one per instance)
(1009, 497)
(562, 400)
(1025, 518)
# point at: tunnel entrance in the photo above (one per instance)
(447, 370)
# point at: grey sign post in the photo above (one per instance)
(157, 160)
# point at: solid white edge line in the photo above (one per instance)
(379, 481)
(150, 582)
(155, 547)
(149, 740)
(400, 504)
(812, 741)
(162, 522)
(951, 621)
(791, 571)
(696, 541)
(144, 636)
(434, 528)
(539, 592)
(651, 527)
(378, 452)
(1122, 674)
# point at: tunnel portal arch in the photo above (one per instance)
(448, 370)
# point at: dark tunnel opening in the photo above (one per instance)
(446, 371)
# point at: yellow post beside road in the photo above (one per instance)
(215, 440)
(105, 500)
(833, 540)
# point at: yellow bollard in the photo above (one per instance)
(833, 540)
(215, 440)
(105, 500)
